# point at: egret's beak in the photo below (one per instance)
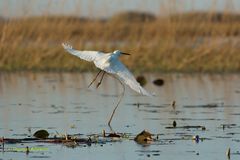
(125, 53)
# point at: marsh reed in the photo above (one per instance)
(179, 42)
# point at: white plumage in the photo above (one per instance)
(109, 63)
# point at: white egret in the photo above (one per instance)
(109, 63)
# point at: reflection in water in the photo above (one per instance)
(57, 101)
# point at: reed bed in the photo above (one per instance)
(187, 42)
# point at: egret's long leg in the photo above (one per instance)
(100, 82)
(94, 78)
(119, 100)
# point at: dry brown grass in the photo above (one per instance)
(185, 42)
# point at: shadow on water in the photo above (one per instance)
(205, 110)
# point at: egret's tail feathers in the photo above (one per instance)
(67, 46)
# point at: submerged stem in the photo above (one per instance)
(119, 100)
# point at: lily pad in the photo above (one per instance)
(158, 82)
(142, 80)
(42, 134)
(144, 137)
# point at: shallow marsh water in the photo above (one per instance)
(62, 103)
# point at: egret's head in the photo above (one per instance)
(117, 52)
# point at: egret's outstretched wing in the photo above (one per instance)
(118, 69)
(86, 55)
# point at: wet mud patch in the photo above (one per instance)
(149, 110)
(186, 127)
(154, 106)
(138, 104)
(40, 157)
(56, 112)
(148, 152)
(204, 106)
(196, 119)
(228, 126)
(37, 111)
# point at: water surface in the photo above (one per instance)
(62, 103)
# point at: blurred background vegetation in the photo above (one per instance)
(171, 41)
